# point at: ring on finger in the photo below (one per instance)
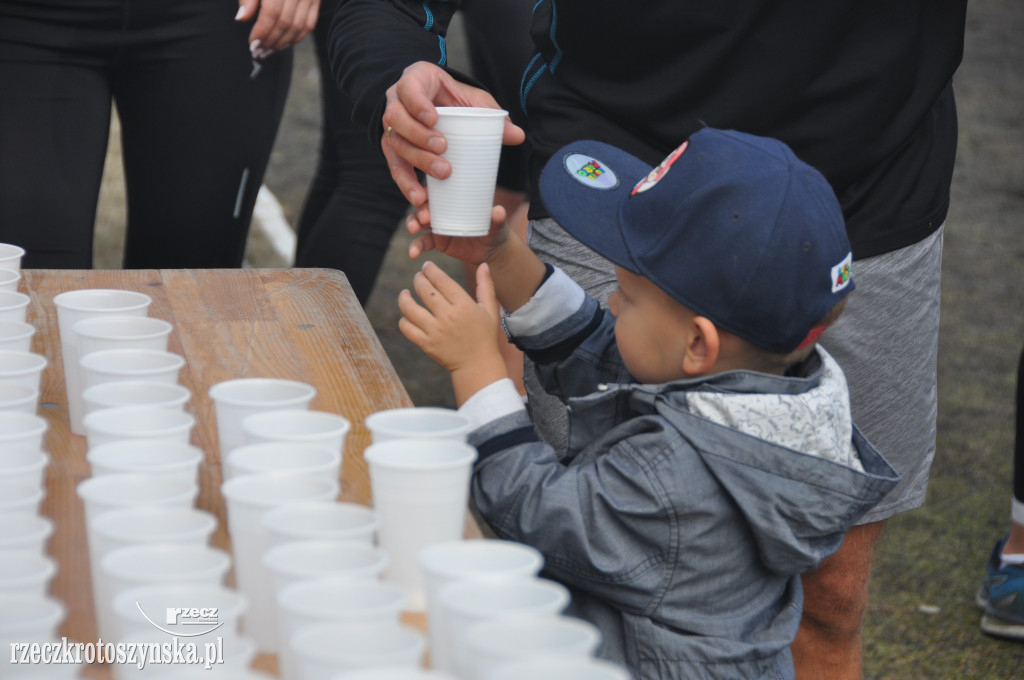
(387, 134)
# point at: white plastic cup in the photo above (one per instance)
(26, 571)
(14, 306)
(234, 400)
(21, 431)
(460, 205)
(297, 426)
(18, 397)
(100, 333)
(109, 492)
(560, 668)
(322, 649)
(305, 560)
(74, 306)
(112, 365)
(165, 458)
(299, 561)
(330, 600)
(20, 499)
(492, 644)
(463, 603)
(420, 493)
(25, 532)
(135, 393)
(137, 422)
(142, 525)
(479, 559)
(315, 460)
(247, 497)
(16, 336)
(10, 256)
(24, 467)
(29, 617)
(335, 520)
(9, 279)
(394, 673)
(23, 368)
(418, 422)
(134, 525)
(177, 609)
(153, 563)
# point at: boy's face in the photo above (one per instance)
(651, 329)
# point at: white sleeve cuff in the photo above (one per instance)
(498, 399)
(554, 301)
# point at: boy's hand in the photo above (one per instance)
(456, 331)
(470, 249)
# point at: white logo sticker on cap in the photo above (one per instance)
(590, 172)
(841, 273)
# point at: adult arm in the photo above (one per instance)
(390, 56)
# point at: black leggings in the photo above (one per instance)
(197, 125)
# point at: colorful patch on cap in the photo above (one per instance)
(590, 172)
(841, 273)
(654, 176)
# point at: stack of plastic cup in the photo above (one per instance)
(464, 560)
(334, 520)
(294, 561)
(418, 422)
(135, 393)
(321, 650)
(235, 400)
(297, 426)
(9, 280)
(107, 493)
(393, 673)
(420, 493)
(13, 306)
(560, 668)
(464, 603)
(460, 205)
(10, 257)
(22, 368)
(162, 457)
(247, 498)
(74, 306)
(309, 459)
(16, 335)
(494, 643)
(138, 422)
(332, 600)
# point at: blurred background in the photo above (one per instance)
(922, 622)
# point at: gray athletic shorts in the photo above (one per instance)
(886, 342)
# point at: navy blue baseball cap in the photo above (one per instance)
(731, 225)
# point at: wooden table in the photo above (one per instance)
(302, 324)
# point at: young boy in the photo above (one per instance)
(712, 457)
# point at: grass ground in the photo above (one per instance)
(922, 624)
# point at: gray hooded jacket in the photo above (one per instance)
(684, 512)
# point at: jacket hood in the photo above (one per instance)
(784, 449)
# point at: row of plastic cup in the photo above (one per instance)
(28, 613)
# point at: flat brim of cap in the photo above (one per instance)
(584, 186)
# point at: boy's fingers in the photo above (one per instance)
(412, 310)
(427, 292)
(485, 294)
(448, 287)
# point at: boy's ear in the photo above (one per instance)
(702, 348)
